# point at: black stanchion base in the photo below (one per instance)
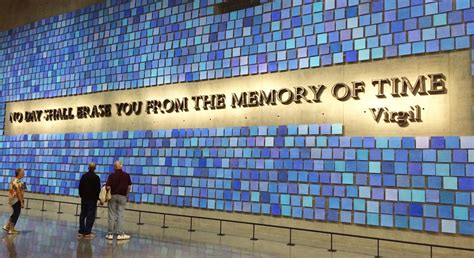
(140, 224)
(220, 234)
(332, 250)
(191, 230)
(290, 244)
(164, 226)
(60, 212)
(254, 239)
(43, 210)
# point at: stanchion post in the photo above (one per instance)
(191, 225)
(77, 210)
(59, 209)
(220, 229)
(140, 219)
(164, 222)
(290, 243)
(97, 217)
(253, 234)
(42, 207)
(332, 250)
(28, 204)
(378, 249)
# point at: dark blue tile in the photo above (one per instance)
(369, 142)
(333, 215)
(466, 183)
(418, 181)
(375, 154)
(401, 208)
(457, 169)
(416, 210)
(434, 182)
(437, 142)
(389, 180)
(414, 168)
(445, 212)
(401, 155)
(460, 155)
(416, 155)
(275, 210)
(282, 176)
(388, 167)
(351, 166)
(466, 227)
(446, 197)
(408, 142)
(356, 142)
(386, 208)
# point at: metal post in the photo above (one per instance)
(28, 204)
(164, 222)
(42, 207)
(378, 249)
(191, 226)
(220, 229)
(290, 243)
(77, 210)
(140, 218)
(97, 217)
(431, 251)
(59, 209)
(253, 234)
(332, 250)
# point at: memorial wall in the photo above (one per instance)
(348, 111)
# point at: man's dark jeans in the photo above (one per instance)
(87, 217)
(16, 212)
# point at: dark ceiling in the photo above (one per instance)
(14, 13)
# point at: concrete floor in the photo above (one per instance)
(47, 234)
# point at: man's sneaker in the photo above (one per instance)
(123, 237)
(109, 237)
(5, 227)
(80, 234)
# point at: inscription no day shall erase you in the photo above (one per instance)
(411, 96)
(396, 87)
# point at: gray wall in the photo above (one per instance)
(14, 13)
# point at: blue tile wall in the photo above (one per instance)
(395, 182)
(309, 172)
(130, 44)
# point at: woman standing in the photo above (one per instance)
(16, 200)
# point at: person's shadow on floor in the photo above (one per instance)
(84, 248)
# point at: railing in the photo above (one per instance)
(253, 224)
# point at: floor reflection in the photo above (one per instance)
(45, 237)
(49, 235)
(9, 243)
(84, 248)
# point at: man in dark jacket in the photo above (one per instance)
(89, 190)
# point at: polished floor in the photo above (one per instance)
(47, 234)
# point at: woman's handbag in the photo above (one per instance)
(104, 195)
